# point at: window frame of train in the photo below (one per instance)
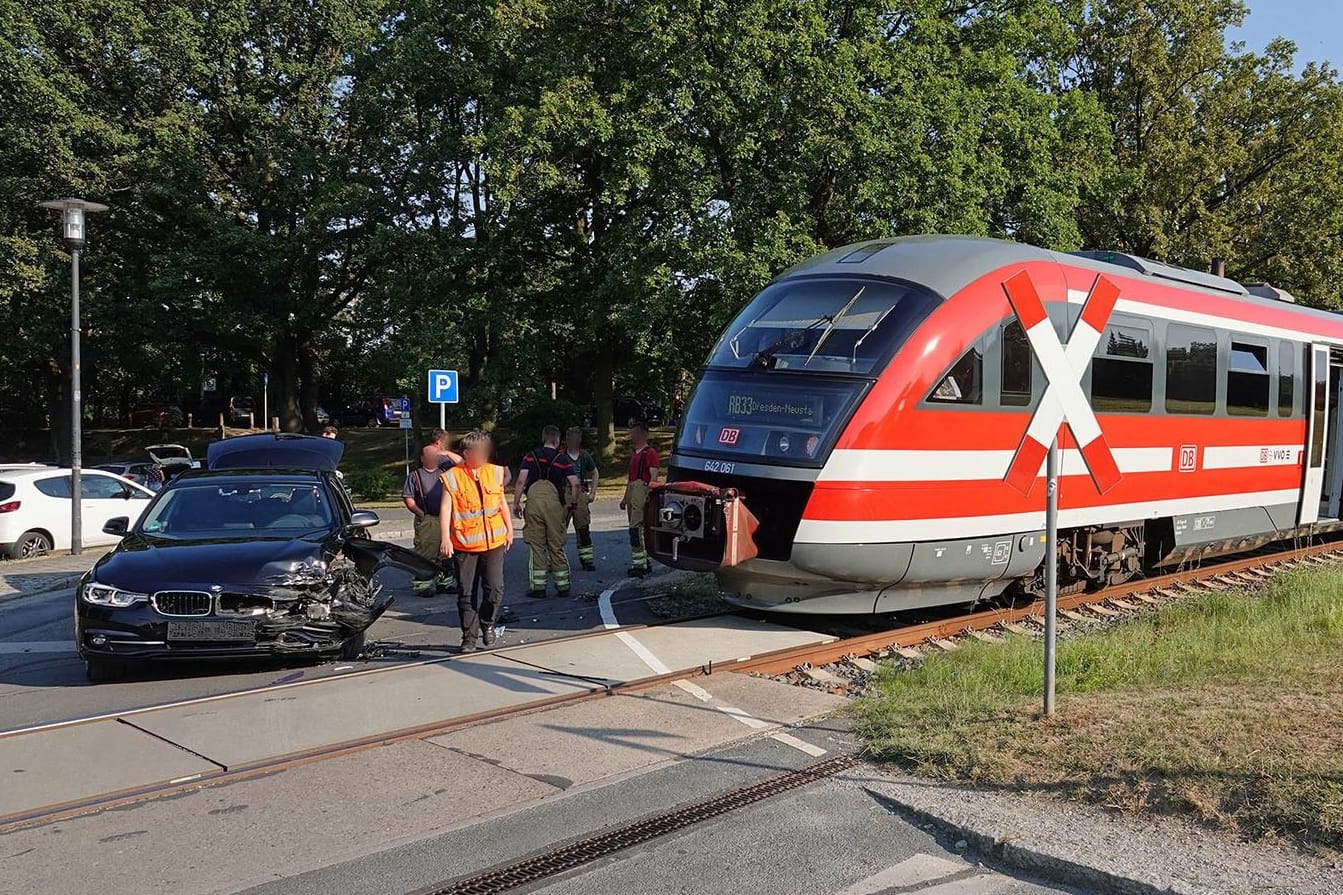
(1126, 351)
(1289, 366)
(1184, 334)
(987, 354)
(1240, 377)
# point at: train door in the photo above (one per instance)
(1319, 397)
(1333, 469)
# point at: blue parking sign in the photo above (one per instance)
(443, 386)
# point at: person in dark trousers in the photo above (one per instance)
(580, 510)
(422, 494)
(477, 529)
(643, 473)
(550, 482)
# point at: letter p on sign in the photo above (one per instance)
(443, 386)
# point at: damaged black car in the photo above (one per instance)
(263, 553)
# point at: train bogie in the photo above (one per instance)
(878, 420)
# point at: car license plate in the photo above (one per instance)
(212, 631)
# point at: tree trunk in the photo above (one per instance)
(284, 384)
(603, 393)
(307, 391)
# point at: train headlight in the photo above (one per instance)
(671, 515)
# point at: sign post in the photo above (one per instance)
(443, 390)
(1051, 569)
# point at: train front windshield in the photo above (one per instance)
(788, 372)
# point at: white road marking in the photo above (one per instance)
(643, 652)
(36, 646)
(604, 605)
(658, 667)
(924, 868)
(800, 745)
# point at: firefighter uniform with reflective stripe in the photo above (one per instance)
(549, 470)
(642, 466)
(478, 532)
(581, 509)
(423, 487)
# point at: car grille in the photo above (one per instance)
(183, 602)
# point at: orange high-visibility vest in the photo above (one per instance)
(477, 508)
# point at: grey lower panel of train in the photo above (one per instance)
(821, 578)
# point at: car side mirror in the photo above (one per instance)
(363, 519)
(118, 526)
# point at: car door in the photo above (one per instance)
(105, 497)
(52, 511)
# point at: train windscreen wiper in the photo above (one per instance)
(765, 356)
(831, 328)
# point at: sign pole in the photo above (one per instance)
(443, 416)
(1051, 569)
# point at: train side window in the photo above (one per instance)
(1121, 372)
(965, 383)
(1016, 366)
(1191, 370)
(1247, 382)
(1286, 378)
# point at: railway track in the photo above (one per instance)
(1110, 603)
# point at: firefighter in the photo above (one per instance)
(477, 530)
(643, 473)
(550, 482)
(580, 510)
(423, 495)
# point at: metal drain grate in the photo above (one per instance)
(585, 851)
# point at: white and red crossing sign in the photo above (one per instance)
(1063, 366)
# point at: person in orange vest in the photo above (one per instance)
(477, 530)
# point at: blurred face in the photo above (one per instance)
(639, 436)
(431, 456)
(477, 455)
(575, 442)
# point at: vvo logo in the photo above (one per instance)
(1188, 457)
(729, 435)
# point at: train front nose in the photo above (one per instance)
(691, 525)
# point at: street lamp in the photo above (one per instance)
(73, 212)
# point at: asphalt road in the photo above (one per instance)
(42, 679)
(835, 837)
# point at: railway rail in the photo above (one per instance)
(1108, 602)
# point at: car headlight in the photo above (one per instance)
(106, 595)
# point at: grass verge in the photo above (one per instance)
(1227, 709)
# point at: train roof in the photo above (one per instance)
(947, 264)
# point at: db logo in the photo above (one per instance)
(729, 435)
(1263, 455)
(1188, 457)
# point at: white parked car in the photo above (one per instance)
(35, 507)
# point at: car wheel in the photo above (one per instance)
(372, 422)
(29, 544)
(352, 648)
(103, 671)
(629, 423)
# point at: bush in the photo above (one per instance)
(370, 482)
(527, 425)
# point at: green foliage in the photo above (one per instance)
(526, 426)
(343, 193)
(370, 482)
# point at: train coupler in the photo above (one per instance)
(690, 525)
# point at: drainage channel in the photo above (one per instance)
(585, 851)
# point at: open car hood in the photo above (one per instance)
(269, 450)
(161, 453)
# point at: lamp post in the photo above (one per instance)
(73, 212)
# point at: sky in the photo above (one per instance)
(1316, 26)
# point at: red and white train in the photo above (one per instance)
(869, 434)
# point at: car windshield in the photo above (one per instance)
(236, 509)
(836, 325)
